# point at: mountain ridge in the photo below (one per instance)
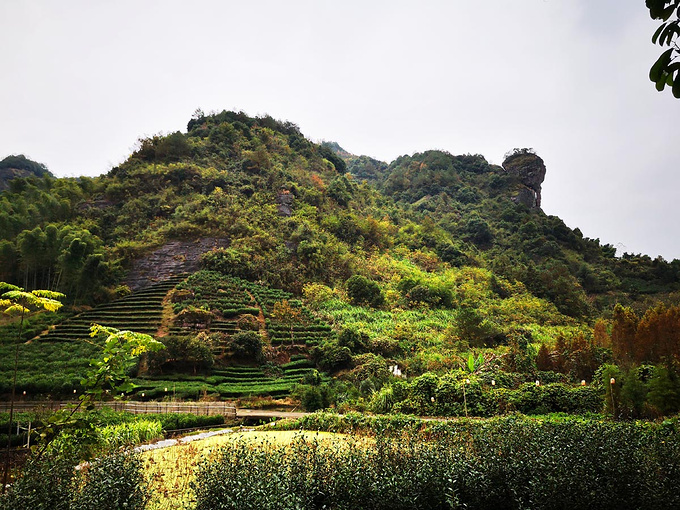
(295, 211)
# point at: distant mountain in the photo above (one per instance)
(20, 166)
(361, 167)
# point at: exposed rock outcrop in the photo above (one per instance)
(13, 167)
(530, 171)
(173, 258)
(285, 201)
(7, 174)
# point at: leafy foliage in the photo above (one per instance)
(45, 484)
(572, 464)
(119, 349)
(426, 258)
(113, 482)
(361, 290)
(666, 69)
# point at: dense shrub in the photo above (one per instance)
(183, 353)
(430, 394)
(112, 483)
(355, 341)
(361, 290)
(44, 484)
(131, 433)
(179, 421)
(497, 464)
(247, 344)
(424, 295)
(644, 391)
(314, 397)
(332, 356)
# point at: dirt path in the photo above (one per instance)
(266, 414)
(165, 443)
(240, 413)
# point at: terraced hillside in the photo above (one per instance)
(206, 307)
(228, 299)
(141, 312)
(55, 362)
(221, 308)
(228, 382)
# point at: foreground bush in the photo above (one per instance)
(51, 483)
(112, 483)
(498, 464)
(47, 484)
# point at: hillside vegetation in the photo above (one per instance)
(438, 267)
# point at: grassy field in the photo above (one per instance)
(172, 469)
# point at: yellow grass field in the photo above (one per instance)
(172, 469)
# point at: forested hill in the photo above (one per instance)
(20, 166)
(290, 212)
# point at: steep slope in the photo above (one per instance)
(282, 210)
(493, 217)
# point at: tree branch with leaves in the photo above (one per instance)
(15, 301)
(666, 69)
(108, 374)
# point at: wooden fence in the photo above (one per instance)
(205, 408)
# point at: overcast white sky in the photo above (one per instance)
(80, 81)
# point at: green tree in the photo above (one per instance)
(664, 390)
(361, 290)
(340, 189)
(108, 374)
(247, 344)
(287, 315)
(666, 69)
(185, 351)
(119, 353)
(15, 301)
(9, 260)
(31, 244)
(477, 230)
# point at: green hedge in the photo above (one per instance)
(449, 395)
(503, 463)
(177, 421)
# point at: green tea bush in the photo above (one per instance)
(113, 482)
(506, 463)
(451, 395)
(43, 484)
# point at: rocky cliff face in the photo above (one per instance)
(7, 174)
(173, 258)
(529, 169)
